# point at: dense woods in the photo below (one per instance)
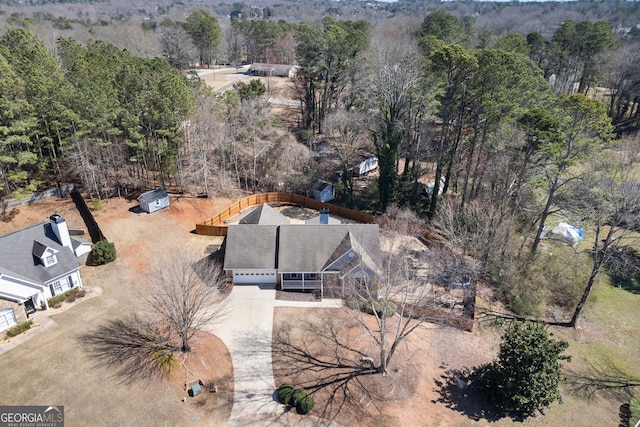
(491, 134)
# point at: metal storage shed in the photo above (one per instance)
(154, 200)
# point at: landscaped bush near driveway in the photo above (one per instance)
(70, 296)
(304, 405)
(103, 252)
(19, 328)
(285, 394)
(295, 397)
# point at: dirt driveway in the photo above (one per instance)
(52, 368)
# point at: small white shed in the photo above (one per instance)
(154, 200)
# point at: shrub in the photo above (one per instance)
(285, 394)
(70, 296)
(381, 308)
(305, 405)
(298, 395)
(390, 308)
(103, 252)
(526, 376)
(19, 328)
(353, 303)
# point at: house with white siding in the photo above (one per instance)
(37, 263)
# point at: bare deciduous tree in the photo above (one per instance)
(344, 129)
(185, 294)
(397, 299)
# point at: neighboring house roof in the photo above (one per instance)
(266, 215)
(273, 69)
(251, 246)
(39, 249)
(19, 254)
(153, 195)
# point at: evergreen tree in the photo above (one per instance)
(526, 376)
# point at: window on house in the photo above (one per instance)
(294, 276)
(50, 260)
(56, 287)
(312, 276)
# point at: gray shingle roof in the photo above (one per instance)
(299, 247)
(266, 215)
(17, 254)
(250, 246)
(153, 195)
(313, 247)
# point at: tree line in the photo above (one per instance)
(506, 129)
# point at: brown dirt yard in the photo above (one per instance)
(52, 368)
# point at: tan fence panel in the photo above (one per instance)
(215, 226)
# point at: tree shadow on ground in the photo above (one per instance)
(335, 369)
(603, 379)
(457, 394)
(9, 215)
(131, 349)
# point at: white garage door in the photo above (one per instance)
(7, 319)
(252, 277)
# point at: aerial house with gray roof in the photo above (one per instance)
(301, 256)
(36, 263)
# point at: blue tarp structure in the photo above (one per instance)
(568, 233)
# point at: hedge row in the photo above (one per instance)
(19, 328)
(70, 296)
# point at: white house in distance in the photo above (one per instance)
(37, 263)
(154, 200)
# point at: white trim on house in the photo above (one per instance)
(254, 276)
(7, 319)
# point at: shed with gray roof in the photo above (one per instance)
(154, 200)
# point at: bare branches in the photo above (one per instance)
(185, 294)
(605, 378)
(134, 348)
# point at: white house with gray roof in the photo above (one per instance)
(36, 263)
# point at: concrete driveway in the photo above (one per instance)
(247, 331)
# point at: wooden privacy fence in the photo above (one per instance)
(217, 226)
